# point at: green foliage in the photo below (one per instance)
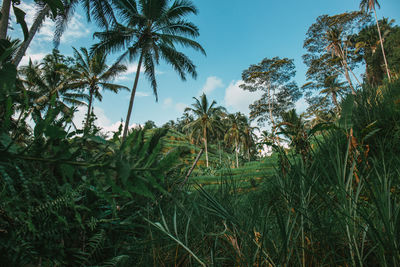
(69, 200)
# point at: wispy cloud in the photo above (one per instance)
(211, 84)
(239, 99)
(167, 102)
(75, 28)
(102, 121)
(142, 94)
(35, 57)
(180, 107)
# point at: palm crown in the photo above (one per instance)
(150, 30)
(206, 118)
(95, 74)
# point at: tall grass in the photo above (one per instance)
(340, 209)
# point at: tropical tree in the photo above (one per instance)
(367, 45)
(330, 50)
(368, 5)
(51, 80)
(150, 30)
(206, 119)
(294, 128)
(338, 49)
(94, 74)
(334, 87)
(248, 138)
(235, 132)
(61, 11)
(56, 6)
(274, 77)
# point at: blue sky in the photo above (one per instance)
(235, 34)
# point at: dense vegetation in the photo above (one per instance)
(328, 194)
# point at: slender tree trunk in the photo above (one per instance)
(346, 74)
(128, 115)
(89, 108)
(205, 144)
(334, 99)
(237, 157)
(380, 38)
(5, 15)
(32, 31)
(248, 153)
(269, 105)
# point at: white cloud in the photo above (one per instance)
(75, 29)
(238, 99)
(167, 102)
(180, 107)
(301, 105)
(132, 68)
(102, 120)
(211, 84)
(35, 57)
(142, 94)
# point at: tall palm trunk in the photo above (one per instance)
(32, 31)
(269, 105)
(128, 115)
(346, 74)
(334, 100)
(380, 38)
(205, 144)
(237, 157)
(5, 15)
(89, 108)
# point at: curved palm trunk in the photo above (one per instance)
(89, 109)
(5, 15)
(205, 144)
(128, 115)
(32, 31)
(380, 38)
(237, 157)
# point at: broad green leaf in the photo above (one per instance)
(345, 121)
(8, 76)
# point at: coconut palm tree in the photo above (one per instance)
(94, 74)
(51, 79)
(149, 31)
(368, 5)
(333, 87)
(235, 132)
(248, 138)
(100, 10)
(335, 45)
(294, 127)
(206, 119)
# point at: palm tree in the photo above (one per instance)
(51, 79)
(333, 87)
(368, 5)
(294, 127)
(100, 10)
(248, 137)
(206, 120)
(334, 39)
(235, 132)
(94, 74)
(150, 31)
